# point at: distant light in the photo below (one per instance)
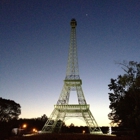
(83, 132)
(35, 130)
(24, 125)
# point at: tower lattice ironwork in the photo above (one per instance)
(72, 81)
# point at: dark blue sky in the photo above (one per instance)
(34, 41)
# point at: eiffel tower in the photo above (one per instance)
(72, 82)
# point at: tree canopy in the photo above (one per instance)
(125, 97)
(9, 109)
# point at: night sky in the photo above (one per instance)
(34, 42)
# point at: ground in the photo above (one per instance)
(71, 137)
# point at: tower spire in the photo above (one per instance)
(72, 65)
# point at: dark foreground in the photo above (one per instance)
(71, 137)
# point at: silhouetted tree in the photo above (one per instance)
(44, 117)
(9, 109)
(125, 98)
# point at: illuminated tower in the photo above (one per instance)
(72, 82)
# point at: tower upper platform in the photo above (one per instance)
(73, 23)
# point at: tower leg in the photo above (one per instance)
(54, 122)
(91, 123)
